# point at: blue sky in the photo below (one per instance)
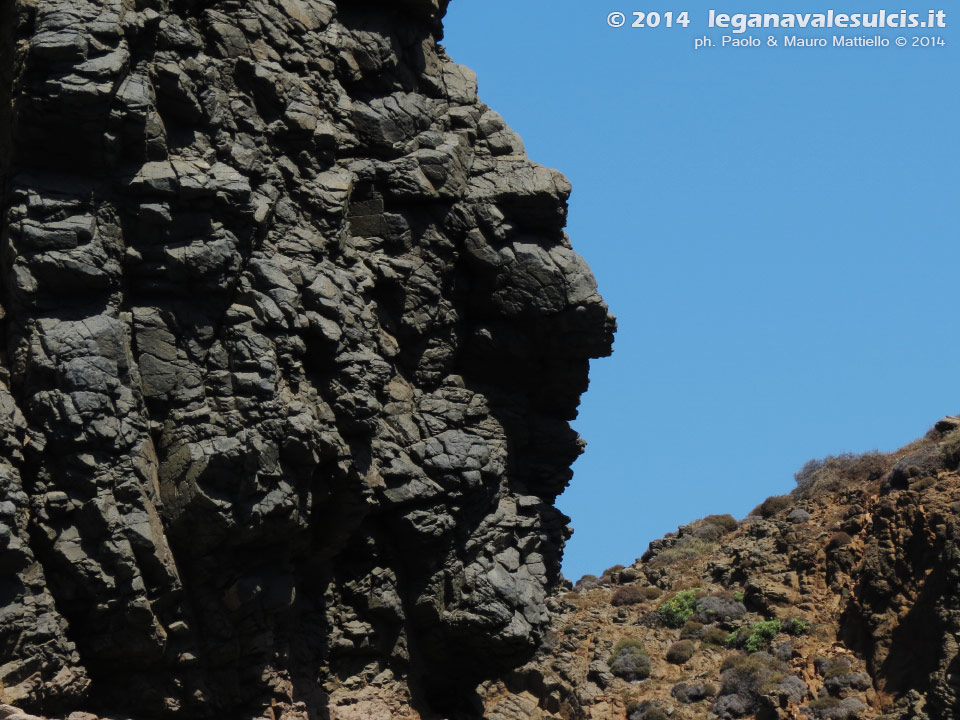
(776, 230)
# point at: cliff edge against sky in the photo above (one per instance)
(291, 338)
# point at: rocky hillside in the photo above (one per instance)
(291, 336)
(839, 601)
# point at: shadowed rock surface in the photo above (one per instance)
(291, 338)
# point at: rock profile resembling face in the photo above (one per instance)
(293, 335)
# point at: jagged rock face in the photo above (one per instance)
(905, 610)
(292, 338)
(840, 601)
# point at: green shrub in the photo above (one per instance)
(761, 634)
(755, 637)
(627, 595)
(795, 626)
(678, 609)
(680, 652)
(738, 595)
(714, 636)
(772, 505)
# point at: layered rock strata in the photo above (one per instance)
(292, 335)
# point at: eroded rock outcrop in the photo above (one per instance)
(839, 601)
(292, 336)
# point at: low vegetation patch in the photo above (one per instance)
(755, 637)
(840, 685)
(950, 453)
(708, 533)
(587, 582)
(677, 610)
(712, 527)
(692, 692)
(825, 703)
(836, 472)
(772, 505)
(761, 634)
(686, 549)
(714, 636)
(725, 521)
(831, 667)
(610, 574)
(628, 595)
(829, 708)
(795, 626)
(630, 661)
(748, 674)
(680, 652)
(720, 608)
(648, 710)
(784, 651)
(923, 463)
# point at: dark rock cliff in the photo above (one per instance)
(291, 338)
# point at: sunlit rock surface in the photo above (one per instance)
(292, 336)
